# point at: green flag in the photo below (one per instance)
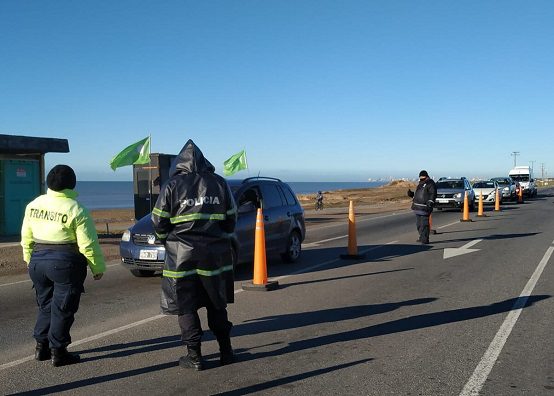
(234, 164)
(136, 153)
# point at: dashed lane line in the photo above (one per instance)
(159, 316)
(29, 280)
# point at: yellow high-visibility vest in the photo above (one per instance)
(56, 217)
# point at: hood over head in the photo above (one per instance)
(189, 160)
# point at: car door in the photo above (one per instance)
(275, 218)
(248, 202)
(470, 193)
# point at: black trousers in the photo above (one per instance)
(191, 329)
(423, 228)
(58, 278)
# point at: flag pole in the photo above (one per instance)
(150, 169)
(246, 160)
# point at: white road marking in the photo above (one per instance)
(483, 369)
(29, 280)
(88, 339)
(156, 317)
(453, 252)
(448, 225)
(360, 219)
(314, 244)
(15, 283)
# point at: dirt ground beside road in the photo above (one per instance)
(110, 223)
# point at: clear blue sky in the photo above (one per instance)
(313, 90)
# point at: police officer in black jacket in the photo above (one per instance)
(422, 204)
(194, 216)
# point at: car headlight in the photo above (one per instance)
(126, 237)
(458, 195)
(506, 189)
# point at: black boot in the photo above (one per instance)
(60, 357)
(42, 351)
(193, 359)
(226, 354)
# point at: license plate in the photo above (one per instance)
(148, 255)
(441, 200)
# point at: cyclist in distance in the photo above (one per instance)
(319, 201)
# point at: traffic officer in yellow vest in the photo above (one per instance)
(59, 239)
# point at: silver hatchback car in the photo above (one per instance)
(488, 189)
(507, 187)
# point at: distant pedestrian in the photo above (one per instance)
(422, 204)
(59, 239)
(193, 217)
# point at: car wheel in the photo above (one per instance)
(142, 273)
(294, 248)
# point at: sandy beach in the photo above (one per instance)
(110, 223)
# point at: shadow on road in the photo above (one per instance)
(285, 285)
(302, 319)
(493, 237)
(280, 322)
(401, 325)
(290, 379)
(329, 258)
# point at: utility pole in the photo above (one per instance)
(542, 171)
(533, 165)
(515, 154)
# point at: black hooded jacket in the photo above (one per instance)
(194, 215)
(424, 196)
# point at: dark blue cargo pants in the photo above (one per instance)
(422, 223)
(58, 275)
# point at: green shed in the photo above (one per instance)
(22, 175)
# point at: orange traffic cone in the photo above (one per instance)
(260, 282)
(497, 201)
(431, 231)
(352, 242)
(466, 209)
(480, 211)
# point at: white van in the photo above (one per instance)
(524, 175)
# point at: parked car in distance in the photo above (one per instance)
(451, 192)
(507, 187)
(284, 226)
(487, 189)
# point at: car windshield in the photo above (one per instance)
(451, 184)
(502, 182)
(483, 184)
(520, 178)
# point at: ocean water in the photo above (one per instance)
(105, 194)
(119, 194)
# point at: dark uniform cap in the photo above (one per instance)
(61, 177)
(423, 173)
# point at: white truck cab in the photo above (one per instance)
(524, 175)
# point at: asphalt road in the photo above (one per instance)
(404, 320)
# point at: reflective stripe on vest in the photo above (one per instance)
(182, 274)
(197, 216)
(160, 213)
(232, 211)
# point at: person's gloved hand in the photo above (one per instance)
(410, 193)
(98, 276)
(430, 204)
